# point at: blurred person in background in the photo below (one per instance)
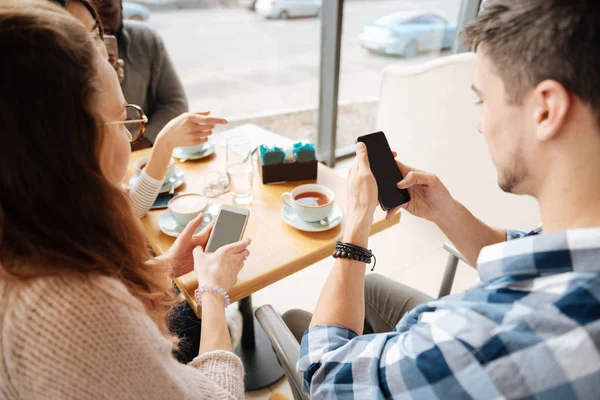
(187, 129)
(149, 78)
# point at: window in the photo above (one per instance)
(377, 34)
(251, 62)
(258, 61)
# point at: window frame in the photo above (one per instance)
(332, 12)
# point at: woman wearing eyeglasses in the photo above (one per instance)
(82, 310)
(182, 319)
(188, 129)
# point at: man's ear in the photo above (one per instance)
(552, 104)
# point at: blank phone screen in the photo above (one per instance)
(386, 171)
(227, 230)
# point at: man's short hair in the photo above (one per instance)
(529, 41)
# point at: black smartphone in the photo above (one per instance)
(162, 201)
(386, 171)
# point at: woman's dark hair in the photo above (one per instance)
(59, 214)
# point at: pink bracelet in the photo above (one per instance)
(211, 288)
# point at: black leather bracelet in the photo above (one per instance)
(353, 252)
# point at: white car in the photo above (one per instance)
(284, 9)
(135, 12)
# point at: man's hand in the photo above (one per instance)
(342, 300)
(117, 63)
(429, 197)
(120, 68)
(180, 255)
(362, 198)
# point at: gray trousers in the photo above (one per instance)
(386, 302)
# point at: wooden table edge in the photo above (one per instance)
(245, 289)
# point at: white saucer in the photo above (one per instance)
(169, 227)
(290, 218)
(180, 154)
(166, 187)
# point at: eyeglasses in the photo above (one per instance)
(136, 122)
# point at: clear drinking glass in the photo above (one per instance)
(240, 169)
(216, 184)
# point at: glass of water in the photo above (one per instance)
(240, 169)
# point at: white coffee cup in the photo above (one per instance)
(186, 207)
(142, 162)
(310, 208)
(194, 149)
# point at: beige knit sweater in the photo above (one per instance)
(66, 338)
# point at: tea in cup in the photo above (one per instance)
(186, 207)
(311, 203)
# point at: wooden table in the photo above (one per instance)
(277, 250)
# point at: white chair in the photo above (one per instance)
(429, 116)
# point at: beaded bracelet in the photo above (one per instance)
(353, 252)
(211, 288)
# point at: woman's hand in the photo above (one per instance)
(429, 198)
(180, 255)
(188, 129)
(362, 198)
(221, 267)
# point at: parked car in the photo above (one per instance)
(135, 12)
(407, 33)
(284, 9)
(249, 4)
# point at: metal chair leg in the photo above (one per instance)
(449, 273)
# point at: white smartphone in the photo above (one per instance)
(229, 227)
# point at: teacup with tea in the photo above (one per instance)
(311, 203)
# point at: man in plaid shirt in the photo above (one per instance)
(531, 328)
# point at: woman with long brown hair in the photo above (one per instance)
(182, 320)
(82, 311)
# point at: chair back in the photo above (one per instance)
(429, 115)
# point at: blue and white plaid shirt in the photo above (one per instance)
(530, 329)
